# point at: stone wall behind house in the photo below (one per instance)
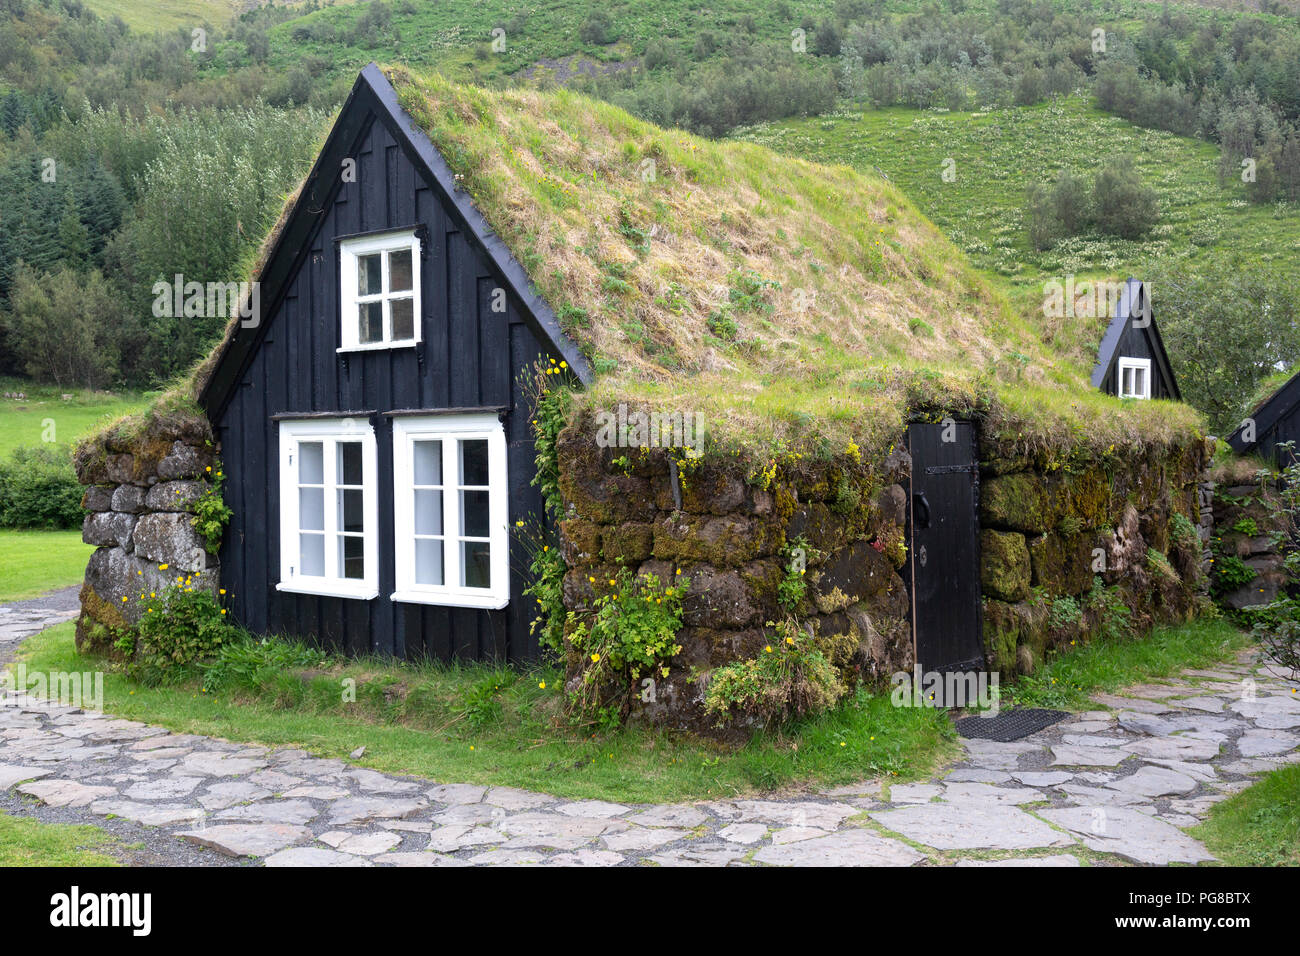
(1048, 531)
(1262, 551)
(141, 482)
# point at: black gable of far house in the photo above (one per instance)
(1272, 425)
(471, 356)
(1134, 333)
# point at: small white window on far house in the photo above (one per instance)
(329, 511)
(1134, 378)
(380, 291)
(451, 511)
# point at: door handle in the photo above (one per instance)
(920, 509)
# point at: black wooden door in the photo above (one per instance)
(944, 547)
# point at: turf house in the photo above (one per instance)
(728, 431)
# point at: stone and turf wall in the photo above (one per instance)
(1049, 533)
(731, 532)
(142, 479)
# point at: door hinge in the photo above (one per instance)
(949, 469)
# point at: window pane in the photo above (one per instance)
(474, 462)
(403, 318)
(476, 564)
(352, 556)
(311, 509)
(428, 512)
(1139, 381)
(311, 463)
(399, 270)
(428, 462)
(371, 319)
(311, 555)
(351, 511)
(350, 463)
(368, 275)
(474, 514)
(428, 561)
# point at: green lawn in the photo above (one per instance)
(1107, 665)
(1259, 826)
(25, 842)
(33, 562)
(461, 728)
(480, 724)
(46, 417)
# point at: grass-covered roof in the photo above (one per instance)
(787, 301)
(797, 306)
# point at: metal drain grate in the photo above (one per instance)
(1009, 725)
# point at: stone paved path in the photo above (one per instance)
(1113, 785)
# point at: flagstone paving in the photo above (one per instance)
(1114, 785)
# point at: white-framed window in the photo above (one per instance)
(329, 510)
(1134, 378)
(451, 510)
(379, 291)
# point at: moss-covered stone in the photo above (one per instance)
(580, 541)
(1008, 627)
(1062, 563)
(855, 573)
(723, 541)
(1005, 567)
(627, 543)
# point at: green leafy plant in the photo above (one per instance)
(1113, 614)
(793, 586)
(1182, 530)
(181, 627)
(1246, 526)
(792, 677)
(1230, 573)
(630, 633)
(1064, 612)
(210, 512)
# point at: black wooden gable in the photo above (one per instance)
(1133, 333)
(1274, 423)
(373, 100)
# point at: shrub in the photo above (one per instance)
(1122, 205)
(597, 29)
(793, 677)
(181, 628)
(39, 489)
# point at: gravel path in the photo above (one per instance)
(1117, 784)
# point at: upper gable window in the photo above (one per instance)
(1134, 378)
(380, 291)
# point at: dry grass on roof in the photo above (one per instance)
(780, 297)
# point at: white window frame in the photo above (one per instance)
(450, 429)
(1131, 364)
(329, 432)
(350, 250)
